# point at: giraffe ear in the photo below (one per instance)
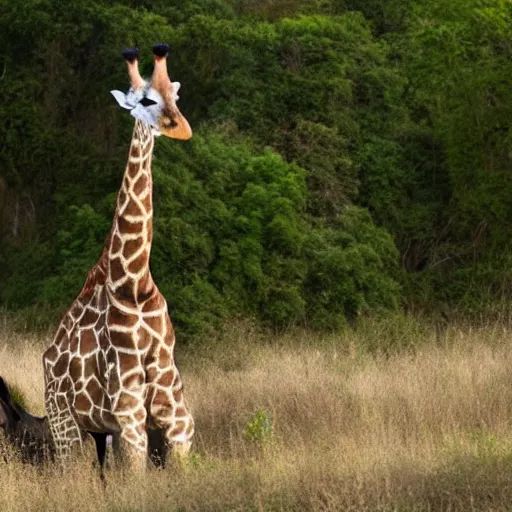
(121, 99)
(176, 87)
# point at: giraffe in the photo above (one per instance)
(110, 368)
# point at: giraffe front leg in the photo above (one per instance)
(169, 412)
(133, 438)
(66, 435)
(67, 439)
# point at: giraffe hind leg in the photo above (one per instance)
(100, 441)
(168, 411)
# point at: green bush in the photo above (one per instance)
(348, 157)
(259, 427)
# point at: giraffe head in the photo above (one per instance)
(154, 102)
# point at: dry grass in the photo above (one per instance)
(424, 424)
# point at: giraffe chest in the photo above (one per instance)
(103, 353)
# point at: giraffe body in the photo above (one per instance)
(110, 368)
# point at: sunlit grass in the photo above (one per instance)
(392, 416)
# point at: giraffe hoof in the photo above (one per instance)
(131, 54)
(161, 49)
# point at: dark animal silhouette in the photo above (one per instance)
(31, 439)
(29, 435)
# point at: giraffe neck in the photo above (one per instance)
(128, 274)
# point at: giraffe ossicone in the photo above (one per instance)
(110, 368)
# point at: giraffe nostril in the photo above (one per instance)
(168, 122)
(131, 54)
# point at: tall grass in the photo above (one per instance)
(392, 416)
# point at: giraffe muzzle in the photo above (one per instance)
(172, 123)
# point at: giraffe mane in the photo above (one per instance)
(97, 275)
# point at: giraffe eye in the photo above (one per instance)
(146, 102)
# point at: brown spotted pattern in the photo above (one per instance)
(110, 367)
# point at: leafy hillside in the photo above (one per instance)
(349, 157)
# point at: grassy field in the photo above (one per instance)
(298, 422)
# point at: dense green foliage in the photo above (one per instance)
(349, 156)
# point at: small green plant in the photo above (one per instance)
(194, 459)
(479, 443)
(259, 428)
